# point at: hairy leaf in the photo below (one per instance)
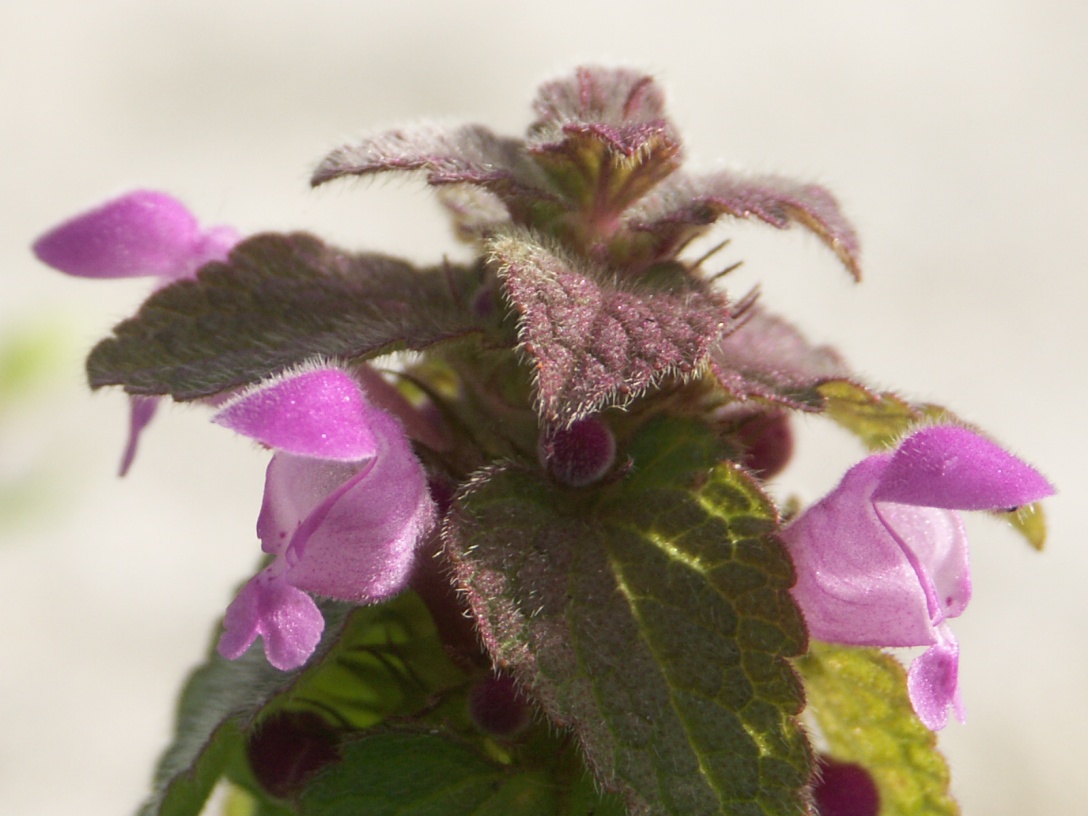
(878, 420)
(595, 340)
(653, 619)
(683, 206)
(279, 300)
(765, 357)
(858, 698)
(603, 139)
(467, 155)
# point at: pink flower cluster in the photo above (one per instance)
(881, 561)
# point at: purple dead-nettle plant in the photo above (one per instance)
(538, 565)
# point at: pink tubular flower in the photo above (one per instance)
(140, 234)
(882, 559)
(345, 506)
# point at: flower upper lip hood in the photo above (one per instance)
(346, 506)
(882, 560)
(143, 233)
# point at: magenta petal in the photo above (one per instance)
(142, 233)
(287, 619)
(935, 541)
(319, 413)
(933, 682)
(294, 487)
(141, 412)
(360, 543)
(952, 467)
(855, 584)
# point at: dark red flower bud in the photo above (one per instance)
(288, 749)
(498, 707)
(579, 455)
(845, 789)
(768, 442)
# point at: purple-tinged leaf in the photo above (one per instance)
(683, 206)
(470, 154)
(277, 301)
(616, 97)
(604, 141)
(596, 341)
(764, 357)
(655, 622)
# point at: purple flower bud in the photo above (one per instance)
(882, 559)
(289, 749)
(845, 789)
(497, 706)
(768, 442)
(579, 455)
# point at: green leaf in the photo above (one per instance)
(373, 662)
(389, 662)
(277, 301)
(878, 420)
(653, 618)
(412, 773)
(858, 699)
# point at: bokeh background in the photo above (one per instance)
(953, 133)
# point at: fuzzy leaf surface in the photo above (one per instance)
(682, 206)
(877, 419)
(603, 139)
(279, 300)
(858, 698)
(596, 341)
(765, 357)
(653, 619)
(469, 155)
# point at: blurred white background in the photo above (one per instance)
(954, 134)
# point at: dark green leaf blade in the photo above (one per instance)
(858, 698)
(655, 622)
(401, 772)
(277, 301)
